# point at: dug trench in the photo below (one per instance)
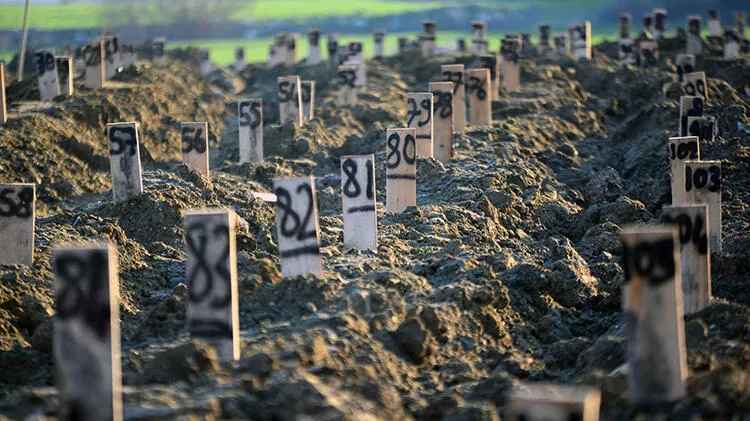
(508, 269)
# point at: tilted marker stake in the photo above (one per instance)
(3, 105)
(695, 253)
(358, 197)
(93, 56)
(308, 100)
(551, 402)
(401, 169)
(443, 116)
(211, 273)
(66, 74)
(478, 91)
(703, 186)
(86, 338)
(694, 84)
(455, 73)
(46, 67)
(297, 224)
(250, 115)
(419, 116)
(653, 307)
(195, 146)
(17, 219)
(290, 100)
(125, 160)
(680, 150)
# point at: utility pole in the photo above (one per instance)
(24, 38)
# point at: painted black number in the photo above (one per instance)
(393, 160)
(299, 227)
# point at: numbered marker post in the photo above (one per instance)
(714, 24)
(685, 64)
(297, 226)
(66, 74)
(695, 254)
(493, 64)
(545, 40)
(93, 56)
(250, 115)
(704, 127)
(49, 84)
(158, 48)
(291, 50)
(443, 120)
(401, 169)
(125, 160)
(239, 59)
(290, 100)
(626, 53)
(703, 186)
(562, 45)
(332, 45)
(690, 106)
(86, 339)
(347, 81)
(358, 197)
(308, 100)
(111, 56)
(580, 36)
(195, 146)
(428, 38)
(3, 104)
(653, 307)
(660, 23)
(648, 51)
(479, 42)
(420, 118)
(680, 150)
(695, 85)
(127, 55)
(17, 220)
(313, 51)
(379, 38)
(211, 273)
(455, 73)
(477, 89)
(732, 43)
(510, 71)
(551, 402)
(694, 44)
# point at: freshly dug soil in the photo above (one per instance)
(508, 269)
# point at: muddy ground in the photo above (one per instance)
(509, 268)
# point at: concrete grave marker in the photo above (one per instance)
(93, 56)
(125, 160)
(653, 307)
(690, 106)
(703, 186)
(86, 335)
(379, 38)
(211, 274)
(695, 254)
(680, 150)
(714, 24)
(401, 169)
(510, 70)
(478, 91)
(428, 38)
(308, 100)
(250, 115)
(627, 51)
(313, 51)
(580, 40)
(195, 146)
(358, 197)
(443, 116)
(49, 83)
(297, 225)
(694, 84)
(685, 64)
(347, 81)
(419, 116)
(66, 74)
(660, 23)
(3, 103)
(551, 402)
(694, 42)
(17, 221)
(290, 100)
(455, 73)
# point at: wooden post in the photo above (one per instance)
(354, 55)
(250, 115)
(358, 197)
(401, 170)
(419, 116)
(125, 160)
(527, 45)
(695, 85)
(714, 24)
(580, 36)
(562, 45)
(680, 150)
(627, 53)
(477, 89)
(695, 253)
(86, 331)
(297, 225)
(551, 402)
(159, 47)
(732, 42)
(703, 186)
(195, 146)
(690, 106)
(648, 23)
(704, 127)
(239, 59)
(479, 40)
(347, 81)
(510, 71)
(694, 43)
(545, 40)
(290, 100)
(313, 52)
(685, 64)
(93, 55)
(211, 273)
(206, 67)
(308, 100)
(493, 64)
(660, 23)
(291, 50)
(648, 51)
(428, 38)
(461, 45)
(111, 56)
(379, 38)
(49, 84)
(3, 103)
(66, 74)
(332, 45)
(653, 307)
(443, 120)
(17, 220)
(455, 73)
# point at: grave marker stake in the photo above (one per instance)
(703, 186)
(125, 160)
(358, 197)
(401, 169)
(195, 153)
(455, 73)
(308, 100)
(680, 150)
(3, 104)
(93, 55)
(443, 120)
(478, 91)
(49, 83)
(17, 221)
(552, 402)
(290, 100)
(250, 116)
(66, 74)
(419, 116)
(297, 226)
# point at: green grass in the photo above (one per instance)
(263, 10)
(77, 15)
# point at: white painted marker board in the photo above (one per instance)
(17, 221)
(250, 116)
(297, 226)
(685, 64)
(690, 106)
(358, 193)
(401, 169)
(313, 50)
(347, 85)
(125, 160)
(194, 137)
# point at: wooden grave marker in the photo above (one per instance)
(705, 128)
(552, 402)
(195, 152)
(125, 160)
(127, 55)
(158, 49)
(690, 106)
(313, 50)
(49, 83)
(478, 92)
(703, 186)
(455, 73)
(545, 40)
(653, 307)
(627, 49)
(461, 45)
(694, 84)
(297, 226)
(428, 38)
(695, 253)
(86, 335)
(732, 42)
(580, 40)
(111, 56)
(332, 45)
(714, 24)
(3, 103)
(308, 100)
(66, 74)
(694, 41)
(93, 56)
(660, 23)
(358, 197)
(291, 50)
(562, 45)
(419, 116)
(527, 45)
(239, 59)
(211, 274)
(379, 38)
(17, 221)
(290, 100)
(442, 145)
(401, 169)
(680, 150)
(250, 116)
(510, 70)
(206, 67)
(492, 63)
(685, 64)
(648, 51)
(479, 44)
(347, 81)
(648, 23)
